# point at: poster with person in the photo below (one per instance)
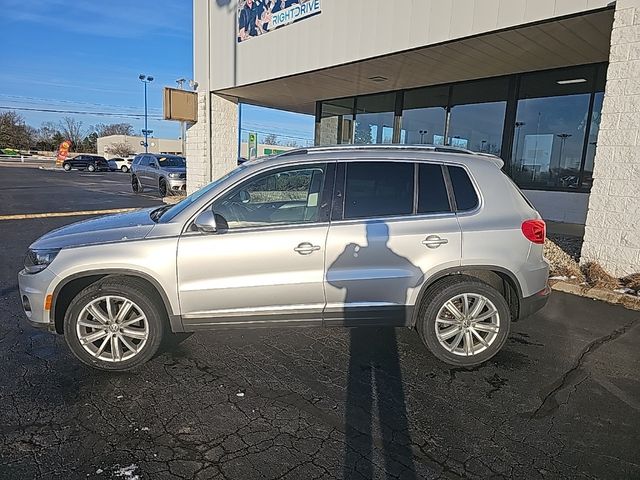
(257, 17)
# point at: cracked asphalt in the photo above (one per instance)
(562, 400)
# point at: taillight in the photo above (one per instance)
(534, 230)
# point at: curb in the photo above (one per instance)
(628, 301)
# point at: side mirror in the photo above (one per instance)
(154, 165)
(205, 222)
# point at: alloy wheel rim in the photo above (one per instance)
(467, 324)
(112, 328)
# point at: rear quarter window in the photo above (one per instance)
(463, 190)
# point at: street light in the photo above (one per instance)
(146, 132)
(422, 134)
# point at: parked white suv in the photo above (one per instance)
(435, 239)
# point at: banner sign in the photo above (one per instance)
(257, 17)
(63, 152)
(253, 145)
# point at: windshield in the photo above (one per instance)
(171, 161)
(169, 214)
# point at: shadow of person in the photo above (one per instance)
(373, 274)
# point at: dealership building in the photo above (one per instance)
(550, 86)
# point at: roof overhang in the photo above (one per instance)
(567, 41)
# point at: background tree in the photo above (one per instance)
(90, 143)
(363, 133)
(104, 130)
(72, 130)
(271, 139)
(120, 149)
(14, 132)
(48, 137)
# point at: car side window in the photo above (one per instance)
(378, 189)
(287, 196)
(463, 190)
(144, 161)
(432, 189)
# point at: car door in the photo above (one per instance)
(392, 229)
(265, 263)
(143, 170)
(153, 172)
(79, 162)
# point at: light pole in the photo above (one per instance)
(145, 79)
(183, 131)
(563, 138)
(422, 134)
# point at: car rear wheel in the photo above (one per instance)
(464, 321)
(136, 186)
(115, 324)
(124, 169)
(67, 167)
(162, 187)
(91, 168)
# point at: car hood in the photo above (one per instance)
(122, 227)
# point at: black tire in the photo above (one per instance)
(91, 168)
(66, 167)
(435, 299)
(133, 289)
(162, 187)
(136, 186)
(124, 169)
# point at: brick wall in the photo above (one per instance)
(612, 232)
(212, 142)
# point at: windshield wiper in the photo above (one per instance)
(158, 212)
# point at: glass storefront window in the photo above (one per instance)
(375, 116)
(477, 115)
(336, 122)
(424, 115)
(550, 128)
(551, 132)
(587, 175)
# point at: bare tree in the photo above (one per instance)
(105, 130)
(72, 130)
(120, 149)
(271, 139)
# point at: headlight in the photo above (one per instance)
(174, 175)
(38, 260)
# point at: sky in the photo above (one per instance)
(86, 56)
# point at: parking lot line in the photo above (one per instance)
(27, 216)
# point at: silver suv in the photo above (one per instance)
(165, 173)
(434, 239)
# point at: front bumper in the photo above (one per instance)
(177, 185)
(530, 305)
(34, 289)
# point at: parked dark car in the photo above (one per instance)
(91, 163)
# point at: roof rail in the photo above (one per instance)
(420, 147)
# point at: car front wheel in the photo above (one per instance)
(136, 186)
(115, 324)
(67, 167)
(162, 187)
(91, 168)
(124, 169)
(464, 321)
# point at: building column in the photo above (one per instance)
(612, 232)
(212, 142)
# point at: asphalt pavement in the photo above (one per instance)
(562, 400)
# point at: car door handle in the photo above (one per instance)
(434, 241)
(305, 248)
